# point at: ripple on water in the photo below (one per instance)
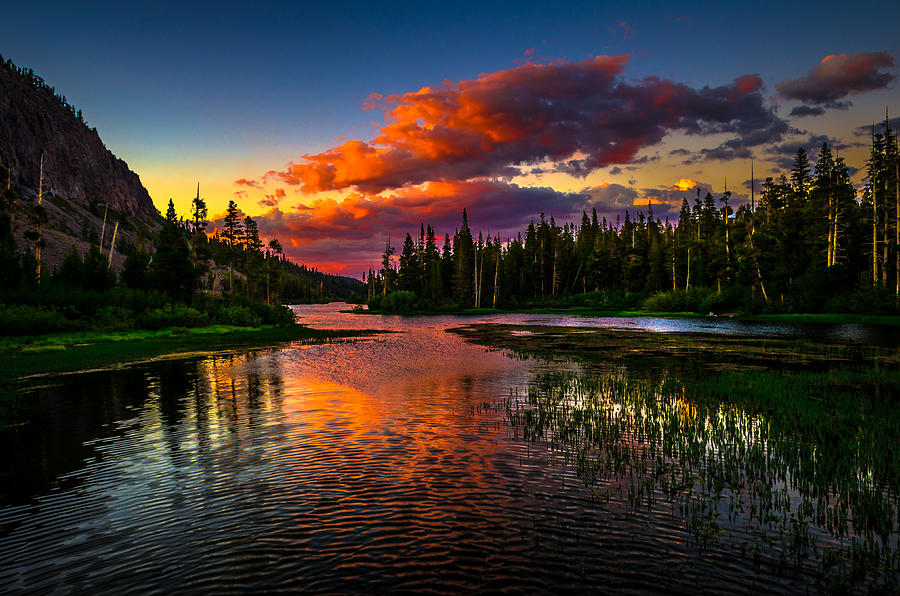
(365, 466)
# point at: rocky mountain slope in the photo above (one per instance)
(82, 179)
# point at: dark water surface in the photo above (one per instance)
(384, 464)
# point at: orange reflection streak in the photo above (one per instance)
(407, 425)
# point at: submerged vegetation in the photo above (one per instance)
(784, 451)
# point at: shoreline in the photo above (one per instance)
(815, 318)
(23, 357)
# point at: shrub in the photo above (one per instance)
(173, 316)
(238, 315)
(863, 300)
(732, 298)
(113, 317)
(29, 320)
(689, 300)
(399, 301)
(244, 312)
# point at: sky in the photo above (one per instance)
(340, 126)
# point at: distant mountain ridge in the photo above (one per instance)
(77, 165)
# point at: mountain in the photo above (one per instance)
(34, 120)
(88, 192)
(82, 179)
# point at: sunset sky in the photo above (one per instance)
(338, 124)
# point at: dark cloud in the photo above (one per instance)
(866, 129)
(807, 111)
(645, 159)
(578, 168)
(528, 114)
(783, 163)
(724, 153)
(739, 146)
(783, 153)
(840, 75)
(615, 171)
(679, 152)
(610, 200)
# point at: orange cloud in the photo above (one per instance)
(529, 114)
(643, 201)
(685, 184)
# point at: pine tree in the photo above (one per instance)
(409, 274)
(273, 270)
(171, 269)
(231, 232)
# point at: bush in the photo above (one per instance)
(30, 320)
(113, 317)
(244, 312)
(173, 316)
(732, 298)
(689, 300)
(600, 299)
(398, 301)
(865, 300)
(701, 300)
(240, 316)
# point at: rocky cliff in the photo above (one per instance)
(77, 166)
(83, 182)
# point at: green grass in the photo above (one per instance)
(893, 320)
(63, 352)
(789, 465)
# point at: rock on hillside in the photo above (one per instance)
(82, 179)
(33, 120)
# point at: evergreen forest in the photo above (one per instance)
(807, 241)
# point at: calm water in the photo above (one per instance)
(384, 464)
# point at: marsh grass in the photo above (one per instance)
(786, 452)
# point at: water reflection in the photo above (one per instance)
(796, 490)
(387, 464)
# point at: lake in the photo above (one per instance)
(418, 461)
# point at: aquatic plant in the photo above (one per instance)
(797, 469)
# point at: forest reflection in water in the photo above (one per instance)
(419, 461)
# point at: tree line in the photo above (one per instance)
(179, 277)
(37, 82)
(809, 242)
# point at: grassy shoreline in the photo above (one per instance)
(640, 347)
(67, 352)
(824, 318)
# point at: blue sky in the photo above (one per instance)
(216, 92)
